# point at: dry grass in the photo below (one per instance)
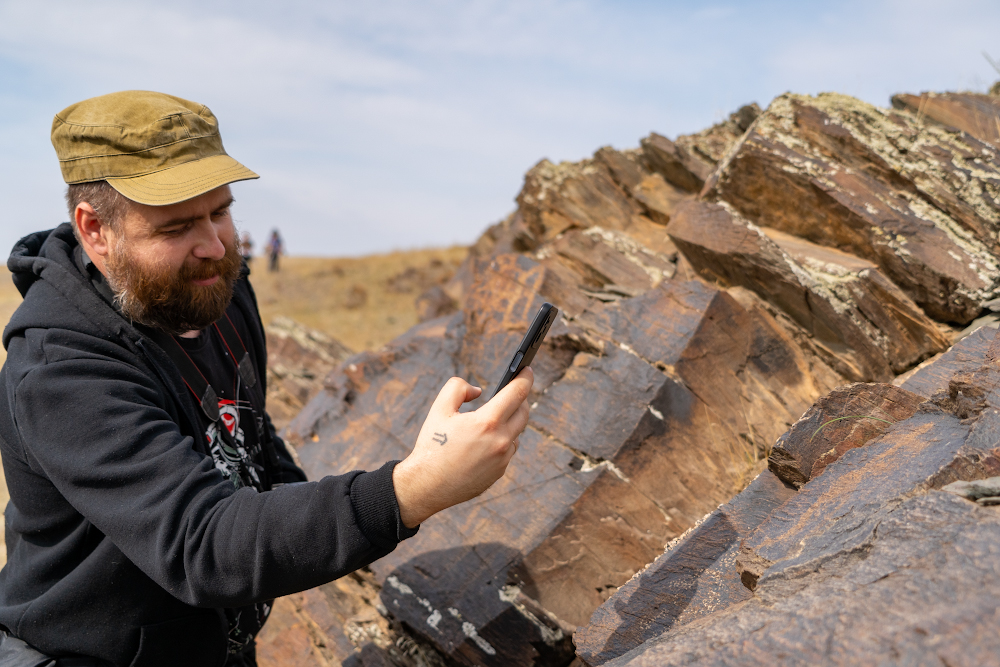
(326, 293)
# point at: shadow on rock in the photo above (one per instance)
(669, 585)
(458, 600)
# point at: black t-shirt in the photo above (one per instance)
(244, 464)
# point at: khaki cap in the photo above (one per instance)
(153, 148)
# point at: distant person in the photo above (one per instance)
(246, 247)
(154, 512)
(274, 250)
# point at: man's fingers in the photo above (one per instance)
(515, 425)
(512, 396)
(455, 392)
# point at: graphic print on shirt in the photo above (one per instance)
(228, 460)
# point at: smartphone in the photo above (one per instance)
(529, 345)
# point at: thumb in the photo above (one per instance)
(455, 392)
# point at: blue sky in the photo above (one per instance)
(390, 125)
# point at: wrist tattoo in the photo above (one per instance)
(440, 438)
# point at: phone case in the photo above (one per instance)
(529, 345)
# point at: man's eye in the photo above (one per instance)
(221, 213)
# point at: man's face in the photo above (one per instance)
(173, 267)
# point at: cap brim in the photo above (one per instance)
(183, 182)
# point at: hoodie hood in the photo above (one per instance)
(56, 293)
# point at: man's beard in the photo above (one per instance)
(158, 297)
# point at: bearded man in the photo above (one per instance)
(155, 513)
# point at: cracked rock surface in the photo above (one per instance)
(920, 589)
(869, 562)
(711, 289)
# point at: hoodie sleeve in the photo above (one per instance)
(93, 426)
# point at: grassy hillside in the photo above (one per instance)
(364, 302)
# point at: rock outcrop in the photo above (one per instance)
(918, 200)
(712, 289)
(864, 325)
(858, 566)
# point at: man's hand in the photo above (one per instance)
(459, 455)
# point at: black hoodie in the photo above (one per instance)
(124, 541)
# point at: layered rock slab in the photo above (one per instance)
(834, 518)
(338, 623)
(846, 418)
(689, 161)
(632, 439)
(694, 578)
(838, 510)
(966, 356)
(699, 576)
(867, 326)
(923, 591)
(698, 381)
(978, 115)
(919, 201)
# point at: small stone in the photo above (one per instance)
(983, 488)
(989, 500)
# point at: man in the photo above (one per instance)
(154, 512)
(274, 250)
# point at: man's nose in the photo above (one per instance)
(209, 244)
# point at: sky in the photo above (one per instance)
(379, 126)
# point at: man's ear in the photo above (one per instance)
(92, 231)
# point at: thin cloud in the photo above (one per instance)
(377, 125)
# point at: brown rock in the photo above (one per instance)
(658, 394)
(916, 200)
(676, 164)
(434, 302)
(688, 162)
(613, 191)
(298, 358)
(656, 196)
(713, 144)
(556, 198)
(612, 263)
(979, 115)
(965, 356)
(867, 326)
(844, 419)
(599, 485)
(867, 563)
(921, 591)
(338, 623)
(694, 578)
(838, 510)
